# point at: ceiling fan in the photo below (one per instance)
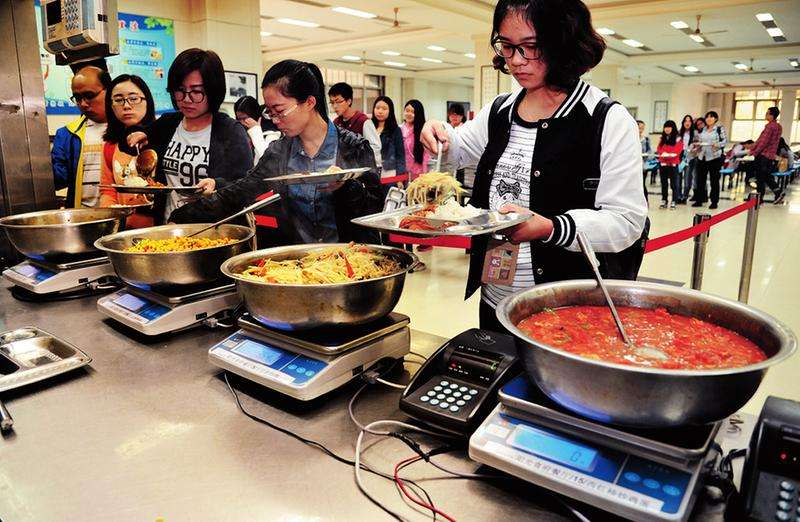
(697, 35)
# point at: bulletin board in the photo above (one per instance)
(146, 49)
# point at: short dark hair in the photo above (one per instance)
(774, 111)
(748, 142)
(640, 122)
(713, 114)
(115, 132)
(298, 80)
(564, 34)
(341, 89)
(211, 70)
(458, 110)
(249, 106)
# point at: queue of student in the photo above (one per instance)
(691, 158)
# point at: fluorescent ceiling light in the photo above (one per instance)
(351, 58)
(436, 48)
(764, 17)
(691, 68)
(470, 55)
(300, 23)
(633, 43)
(697, 38)
(774, 31)
(679, 24)
(354, 12)
(606, 31)
(432, 60)
(395, 64)
(794, 63)
(266, 33)
(741, 66)
(391, 53)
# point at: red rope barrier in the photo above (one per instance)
(688, 233)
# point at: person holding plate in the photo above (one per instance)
(558, 149)
(294, 97)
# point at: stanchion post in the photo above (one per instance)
(699, 256)
(749, 247)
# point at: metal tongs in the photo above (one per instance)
(255, 206)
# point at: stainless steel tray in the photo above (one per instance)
(124, 189)
(29, 355)
(318, 178)
(489, 223)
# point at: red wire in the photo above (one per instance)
(405, 492)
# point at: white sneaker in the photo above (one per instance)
(672, 205)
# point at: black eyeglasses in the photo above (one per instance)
(195, 95)
(88, 96)
(528, 51)
(132, 100)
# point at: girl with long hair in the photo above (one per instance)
(413, 121)
(669, 152)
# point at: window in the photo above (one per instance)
(366, 87)
(796, 123)
(749, 110)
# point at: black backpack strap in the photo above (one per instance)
(598, 122)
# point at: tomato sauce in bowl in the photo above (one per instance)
(689, 343)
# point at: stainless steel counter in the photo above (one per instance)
(151, 430)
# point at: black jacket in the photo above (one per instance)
(229, 157)
(355, 198)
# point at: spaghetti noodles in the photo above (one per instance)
(433, 187)
(178, 244)
(341, 264)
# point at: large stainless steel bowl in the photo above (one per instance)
(163, 270)
(60, 233)
(302, 307)
(636, 396)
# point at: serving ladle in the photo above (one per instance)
(146, 161)
(647, 352)
(255, 206)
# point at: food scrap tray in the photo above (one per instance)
(488, 223)
(318, 178)
(29, 355)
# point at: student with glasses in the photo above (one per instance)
(129, 103)
(199, 145)
(78, 146)
(557, 149)
(295, 99)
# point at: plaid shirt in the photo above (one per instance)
(768, 141)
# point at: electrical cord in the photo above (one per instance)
(324, 449)
(418, 501)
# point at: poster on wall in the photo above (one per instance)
(146, 49)
(240, 84)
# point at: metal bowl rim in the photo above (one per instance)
(782, 330)
(225, 267)
(3, 220)
(100, 246)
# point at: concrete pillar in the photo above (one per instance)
(787, 117)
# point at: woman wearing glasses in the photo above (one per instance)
(198, 145)
(130, 103)
(295, 101)
(556, 149)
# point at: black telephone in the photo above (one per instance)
(457, 386)
(771, 476)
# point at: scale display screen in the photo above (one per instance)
(130, 302)
(264, 354)
(553, 448)
(33, 272)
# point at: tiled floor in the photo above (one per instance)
(434, 299)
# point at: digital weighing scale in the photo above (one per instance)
(157, 312)
(60, 277)
(307, 364)
(642, 475)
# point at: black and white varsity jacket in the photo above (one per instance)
(586, 175)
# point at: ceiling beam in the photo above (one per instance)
(631, 8)
(338, 47)
(731, 53)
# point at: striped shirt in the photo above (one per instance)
(511, 183)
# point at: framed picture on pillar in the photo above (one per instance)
(660, 112)
(238, 84)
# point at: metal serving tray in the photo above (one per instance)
(488, 223)
(29, 355)
(124, 189)
(319, 178)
